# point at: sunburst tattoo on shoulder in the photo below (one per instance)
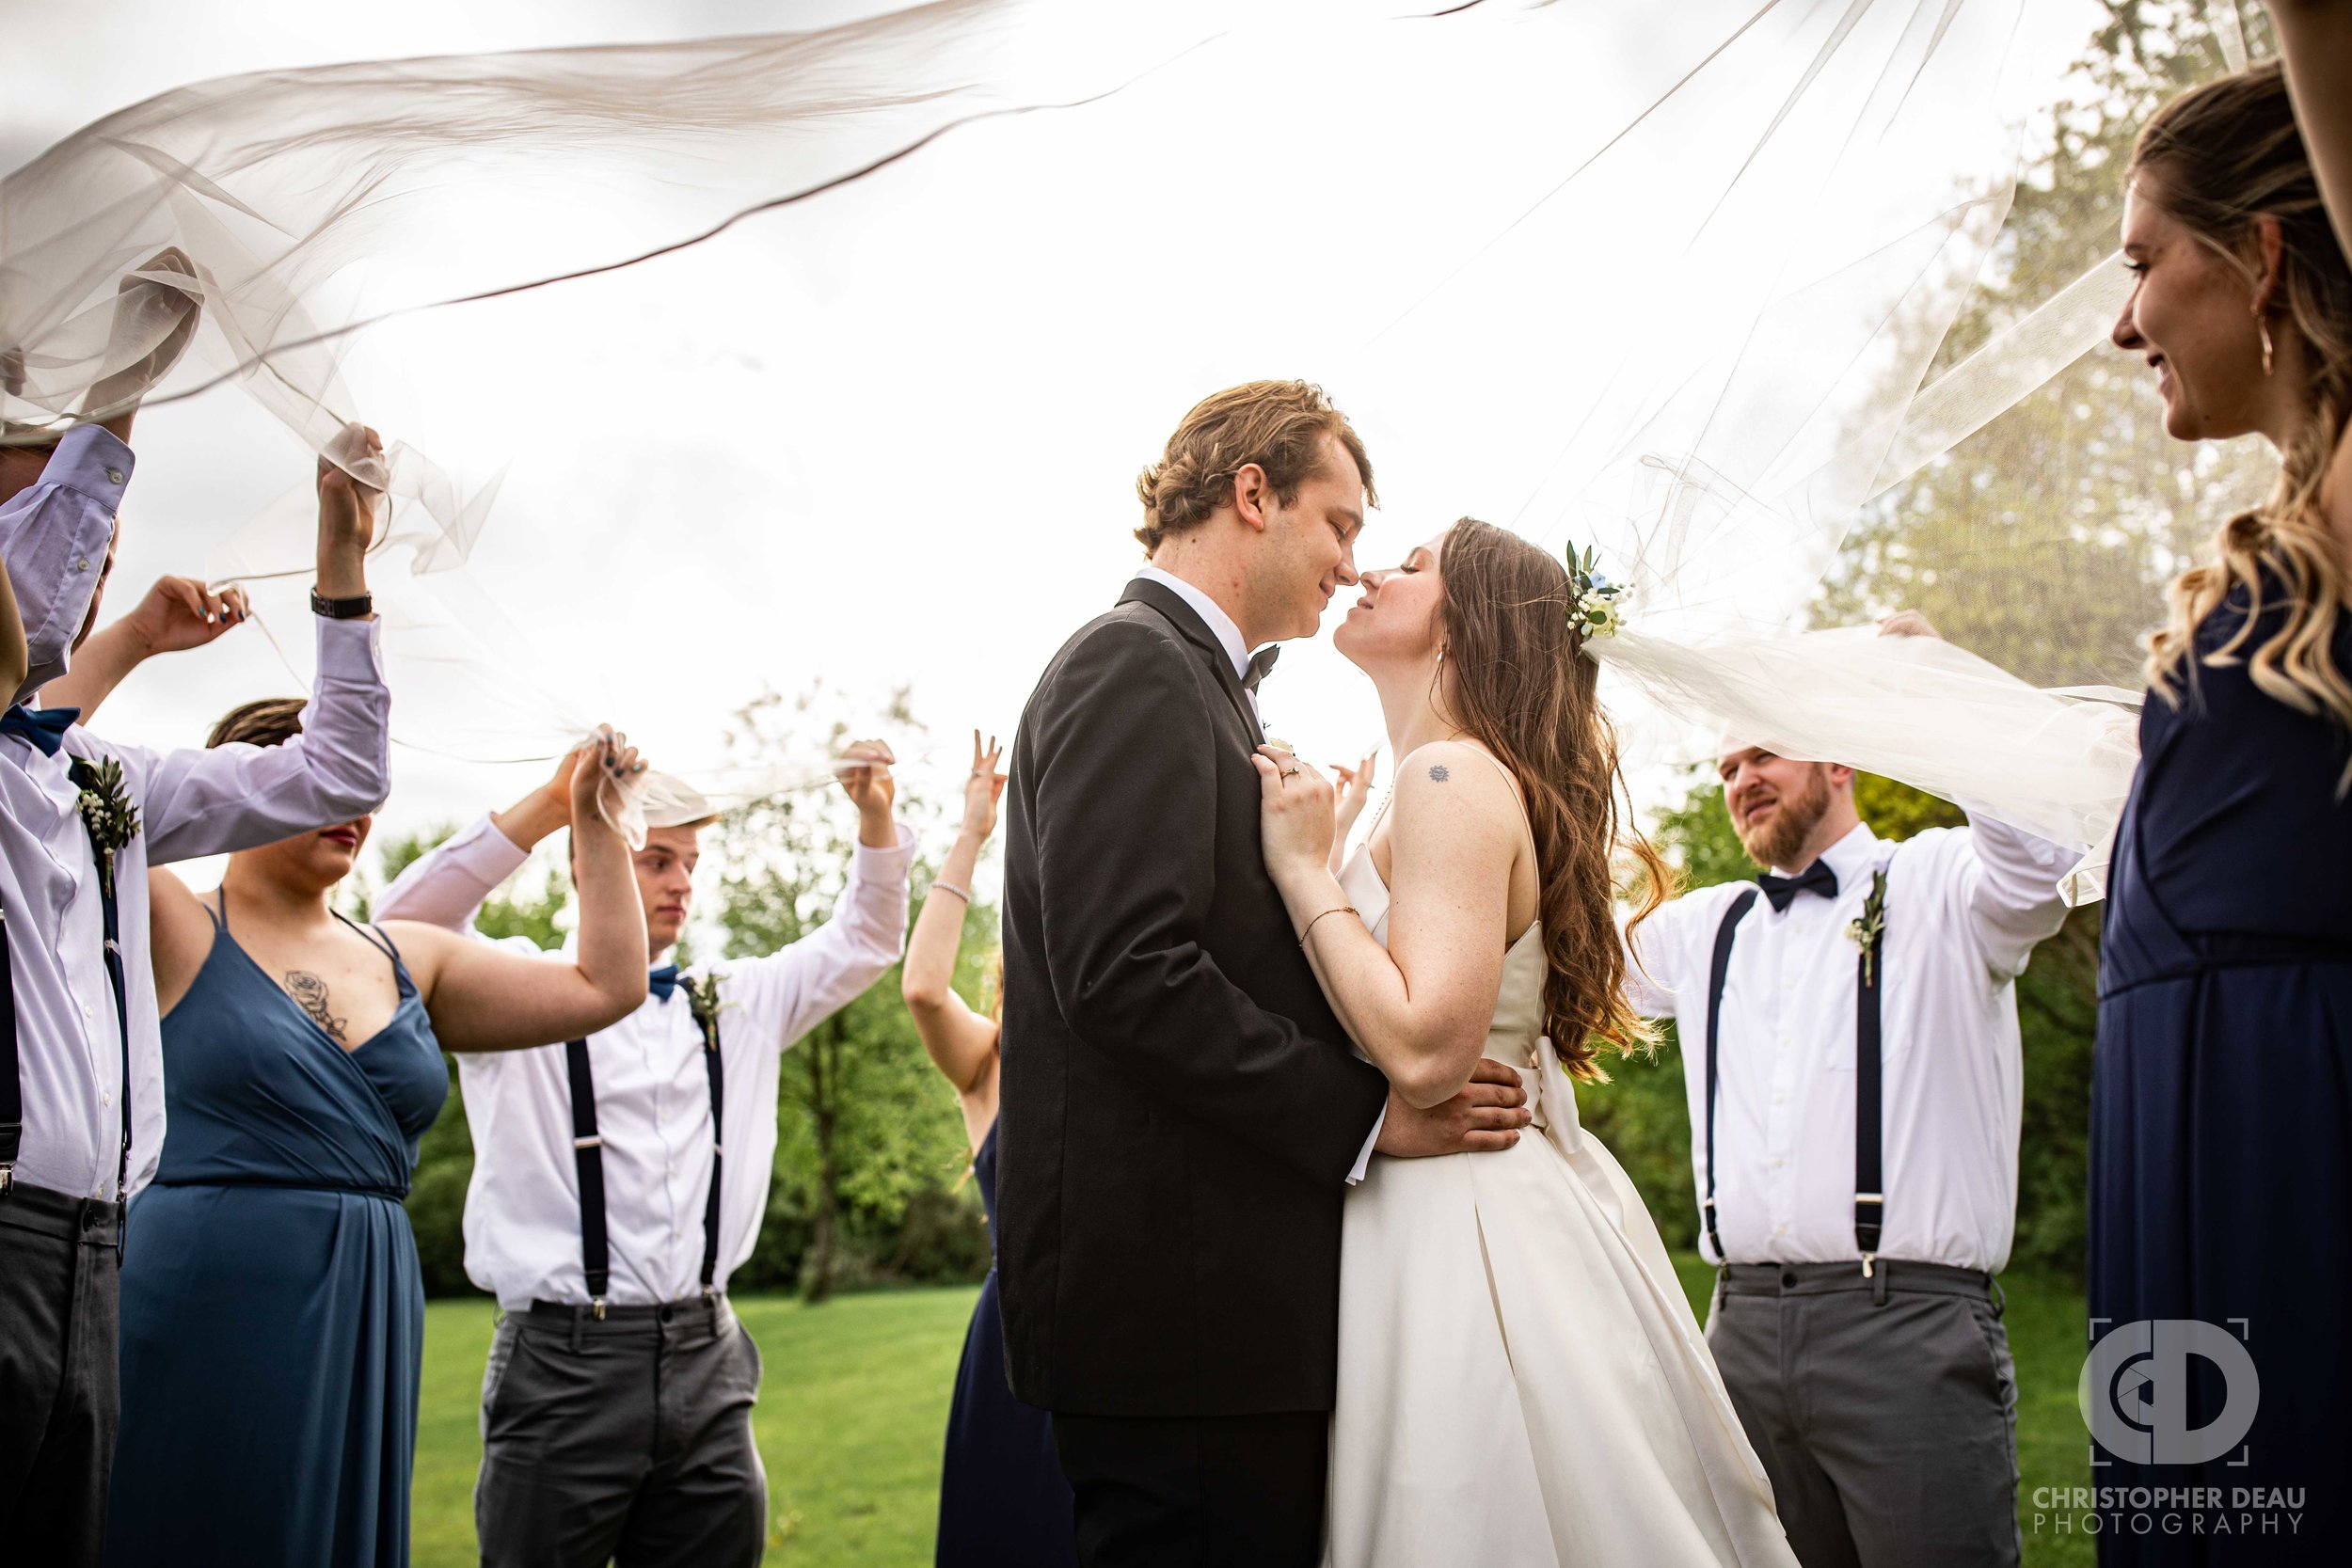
(1439, 772)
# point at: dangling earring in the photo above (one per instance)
(1441, 662)
(2262, 324)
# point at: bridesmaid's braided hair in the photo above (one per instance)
(1523, 690)
(2222, 155)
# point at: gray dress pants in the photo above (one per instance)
(627, 1440)
(60, 1290)
(1887, 1419)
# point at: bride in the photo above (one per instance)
(1522, 1380)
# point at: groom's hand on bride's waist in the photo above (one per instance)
(1485, 1116)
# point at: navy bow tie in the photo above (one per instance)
(45, 727)
(1259, 662)
(1782, 891)
(662, 982)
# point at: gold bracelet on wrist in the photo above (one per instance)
(1336, 909)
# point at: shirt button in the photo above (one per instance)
(105, 1097)
(114, 476)
(1780, 1230)
(86, 1009)
(81, 563)
(1776, 1161)
(1780, 1100)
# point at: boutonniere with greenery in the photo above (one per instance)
(1868, 929)
(702, 1000)
(106, 810)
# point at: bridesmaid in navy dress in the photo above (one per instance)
(2222, 1137)
(1002, 1498)
(273, 1315)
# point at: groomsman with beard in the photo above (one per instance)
(618, 1180)
(1849, 1028)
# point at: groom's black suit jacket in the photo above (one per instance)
(1180, 1109)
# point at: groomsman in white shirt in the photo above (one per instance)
(616, 1407)
(81, 1054)
(1854, 1122)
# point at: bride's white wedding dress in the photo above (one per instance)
(1522, 1380)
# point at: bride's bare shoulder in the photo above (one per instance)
(1455, 786)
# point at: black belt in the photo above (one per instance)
(1870, 1200)
(601, 1319)
(1893, 1273)
(595, 1252)
(12, 1084)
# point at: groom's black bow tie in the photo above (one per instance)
(1782, 891)
(1259, 662)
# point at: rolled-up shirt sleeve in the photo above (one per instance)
(229, 797)
(447, 884)
(52, 537)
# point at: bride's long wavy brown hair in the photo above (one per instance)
(1523, 689)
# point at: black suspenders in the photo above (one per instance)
(1716, 971)
(1869, 1199)
(595, 1252)
(12, 1085)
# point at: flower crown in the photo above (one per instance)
(1592, 608)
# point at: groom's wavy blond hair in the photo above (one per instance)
(1278, 425)
(1522, 688)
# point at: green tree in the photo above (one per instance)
(870, 1148)
(2043, 541)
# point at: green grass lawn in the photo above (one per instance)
(856, 1397)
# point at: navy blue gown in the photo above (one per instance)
(2221, 1114)
(1003, 1502)
(273, 1314)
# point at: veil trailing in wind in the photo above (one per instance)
(1674, 276)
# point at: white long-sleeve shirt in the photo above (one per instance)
(1964, 908)
(653, 1092)
(191, 803)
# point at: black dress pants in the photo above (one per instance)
(1229, 1491)
(60, 1396)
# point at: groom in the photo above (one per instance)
(1182, 1115)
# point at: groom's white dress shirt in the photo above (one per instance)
(1229, 637)
(653, 1092)
(1964, 908)
(52, 537)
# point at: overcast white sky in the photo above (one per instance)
(890, 436)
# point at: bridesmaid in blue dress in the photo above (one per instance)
(2222, 1100)
(1003, 1502)
(273, 1315)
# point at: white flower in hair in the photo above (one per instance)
(1595, 610)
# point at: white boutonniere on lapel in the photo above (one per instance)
(1867, 930)
(106, 810)
(702, 1000)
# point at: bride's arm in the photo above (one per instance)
(1421, 1007)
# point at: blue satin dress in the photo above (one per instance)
(2221, 1116)
(273, 1314)
(1003, 1501)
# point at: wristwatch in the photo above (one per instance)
(353, 609)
